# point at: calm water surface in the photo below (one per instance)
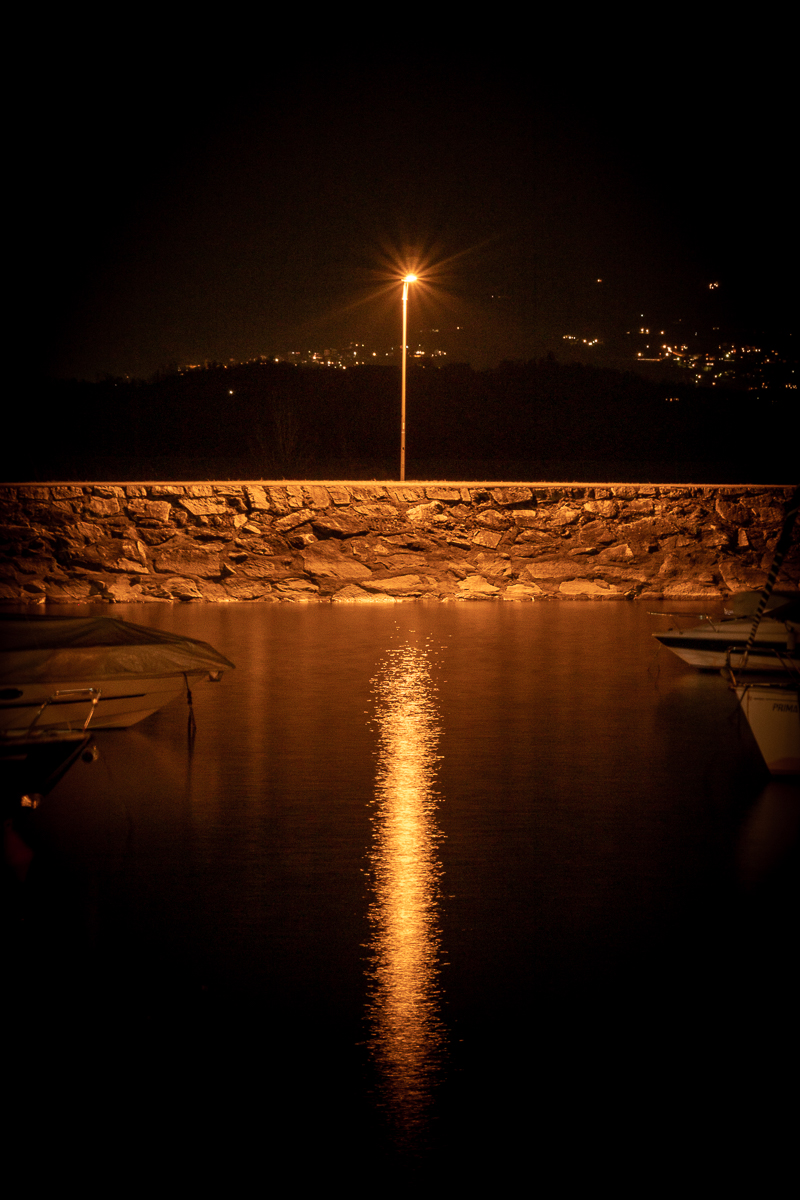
(434, 883)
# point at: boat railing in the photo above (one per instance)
(689, 616)
(62, 696)
(788, 665)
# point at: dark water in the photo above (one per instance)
(439, 889)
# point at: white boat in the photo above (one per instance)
(706, 646)
(773, 714)
(68, 672)
(715, 644)
(771, 707)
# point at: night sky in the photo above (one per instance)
(182, 206)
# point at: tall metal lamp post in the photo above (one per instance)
(406, 281)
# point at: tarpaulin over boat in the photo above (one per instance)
(68, 649)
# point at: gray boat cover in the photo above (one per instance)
(782, 606)
(44, 649)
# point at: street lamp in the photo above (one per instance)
(406, 281)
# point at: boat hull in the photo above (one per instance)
(34, 761)
(707, 646)
(120, 703)
(772, 714)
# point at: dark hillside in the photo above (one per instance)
(521, 420)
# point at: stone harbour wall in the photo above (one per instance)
(366, 542)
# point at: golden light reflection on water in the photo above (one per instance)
(407, 1034)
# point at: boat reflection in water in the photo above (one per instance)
(407, 1034)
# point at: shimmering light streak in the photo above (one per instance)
(407, 1033)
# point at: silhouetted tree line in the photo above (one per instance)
(525, 420)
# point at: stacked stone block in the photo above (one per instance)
(359, 542)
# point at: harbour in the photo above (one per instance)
(438, 877)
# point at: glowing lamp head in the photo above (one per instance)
(410, 279)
